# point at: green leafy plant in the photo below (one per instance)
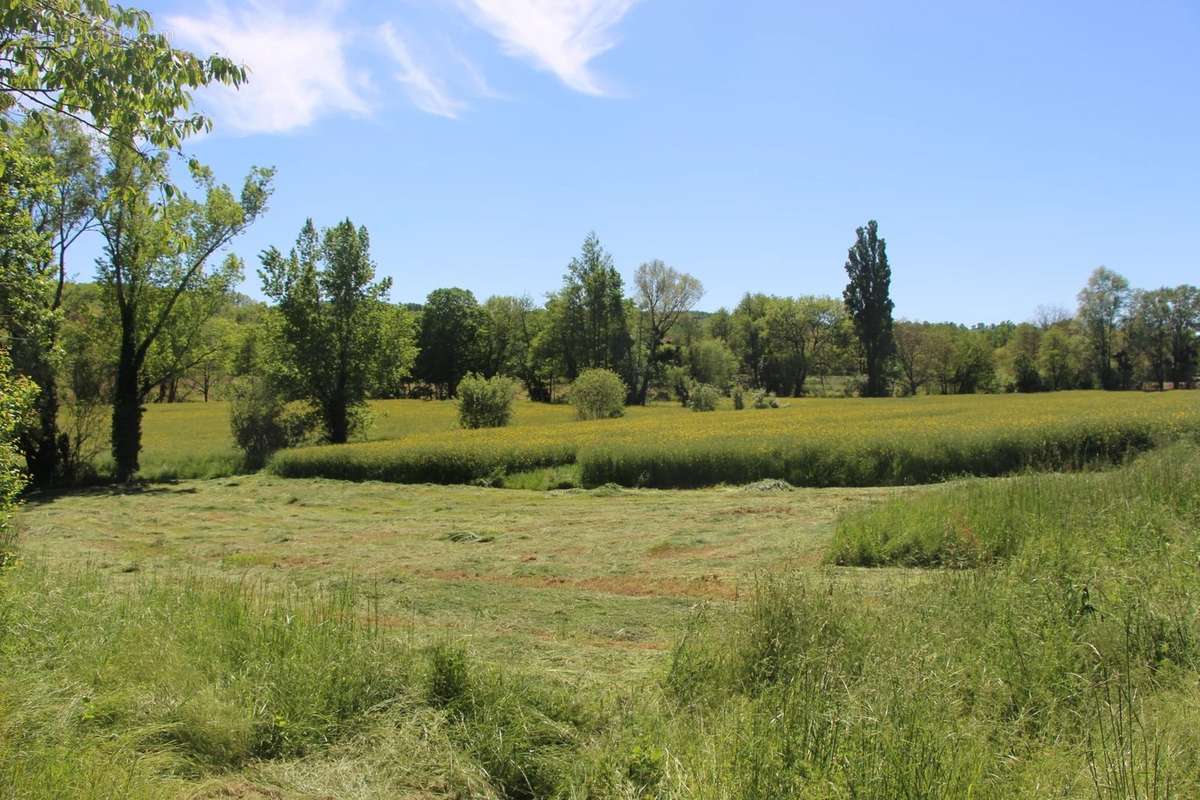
(598, 394)
(485, 402)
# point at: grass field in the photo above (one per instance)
(267, 638)
(264, 637)
(811, 442)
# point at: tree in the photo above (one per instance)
(711, 362)
(1184, 322)
(1057, 361)
(16, 406)
(869, 304)
(104, 66)
(1150, 332)
(155, 267)
(800, 333)
(1102, 305)
(397, 357)
(663, 295)
(748, 336)
(331, 329)
(913, 354)
(449, 344)
(596, 332)
(63, 213)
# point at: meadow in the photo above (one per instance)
(262, 636)
(809, 442)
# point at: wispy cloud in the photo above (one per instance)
(424, 90)
(561, 36)
(297, 64)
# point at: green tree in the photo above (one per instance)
(1057, 359)
(913, 354)
(663, 295)
(155, 269)
(16, 407)
(869, 303)
(105, 66)
(748, 336)
(800, 335)
(1102, 305)
(1185, 332)
(1149, 332)
(711, 362)
(451, 322)
(393, 367)
(62, 213)
(330, 326)
(595, 330)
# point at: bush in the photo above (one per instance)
(765, 400)
(261, 421)
(680, 381)
(485, 402)
(598, 394)
(704, 397)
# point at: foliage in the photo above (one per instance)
(261, 421)
(711, 361)
(662, 295)
(588, 325)
(451, 324)
(330, 322)
(598, 394)
(485, 402)
(106, 65)
(704, 397)
(1102, 304)
(16, 404)
(869, 303)
(156, 277)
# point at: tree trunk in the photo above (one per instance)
(127, 413)
(41, 445)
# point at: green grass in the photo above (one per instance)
(271, 638)
(849, 442)
(970, 523)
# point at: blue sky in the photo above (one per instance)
(1006, 149)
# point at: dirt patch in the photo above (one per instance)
(705, 586)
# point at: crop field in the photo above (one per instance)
(810, 442)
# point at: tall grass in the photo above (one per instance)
(814, 443)
(975, 522)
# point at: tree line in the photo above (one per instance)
(93, 110)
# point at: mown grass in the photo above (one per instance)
(811, 443)
(1065, 665)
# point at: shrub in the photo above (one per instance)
(598, 394)
(485, 402)
(680, 381)
(739, 398)
(704, 397)
(765, 400)
(261, 421)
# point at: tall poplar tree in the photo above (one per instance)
(869, 303)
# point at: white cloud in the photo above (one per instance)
(424, 90)
(561, 36)
(297, 65)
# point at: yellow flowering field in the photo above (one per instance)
(809, 442)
